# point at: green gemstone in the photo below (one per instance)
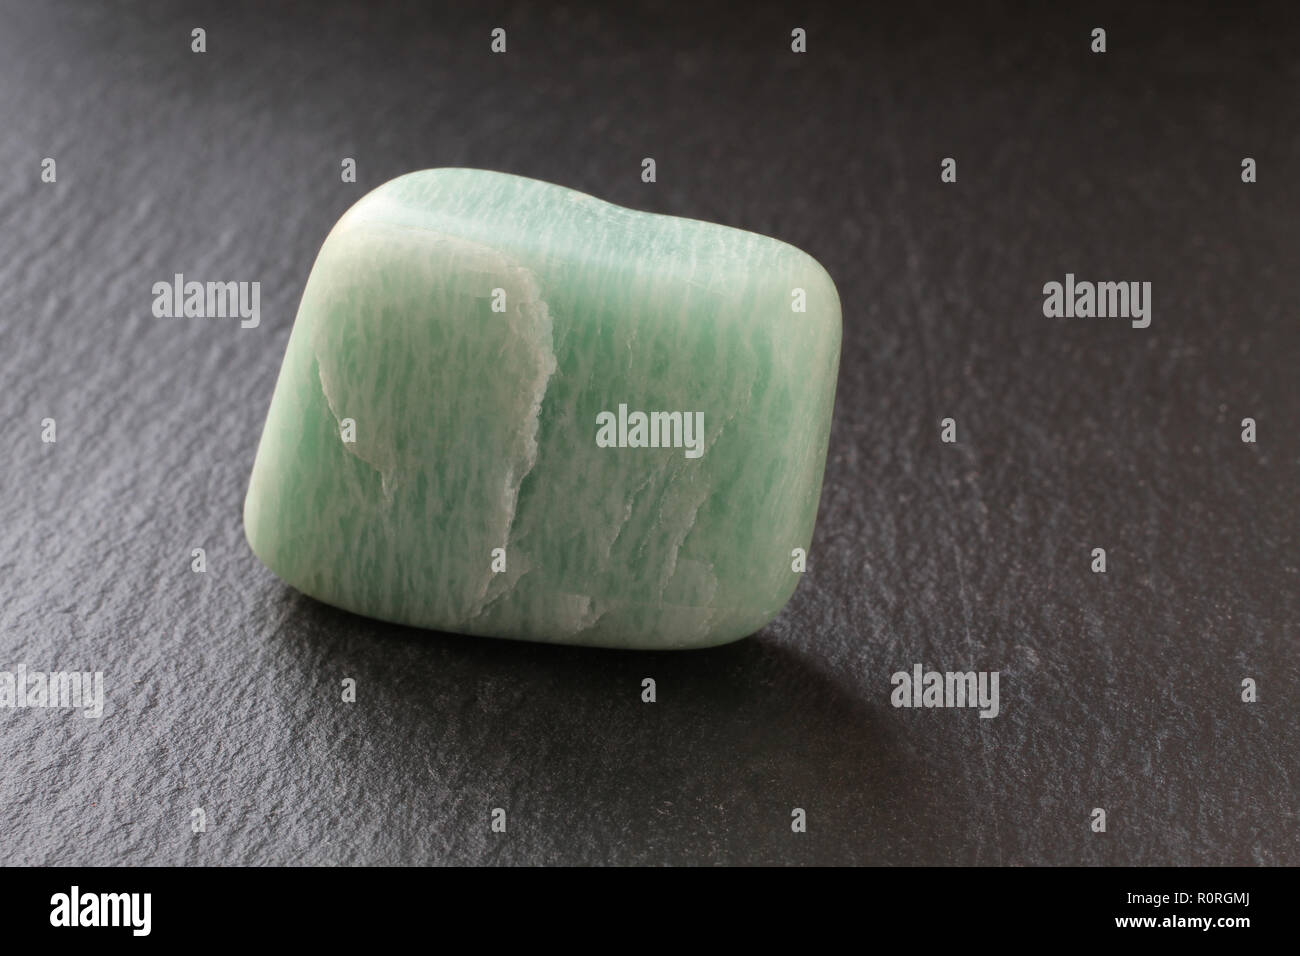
(475, 333)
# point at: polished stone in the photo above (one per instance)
(511, 409)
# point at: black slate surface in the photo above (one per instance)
(1119, 691)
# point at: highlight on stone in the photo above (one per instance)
(511, 409)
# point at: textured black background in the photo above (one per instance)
(1119, 690)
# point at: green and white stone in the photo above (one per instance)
(476, 429)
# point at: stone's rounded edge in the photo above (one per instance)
(718, 638)
(701, 644)
(248, 513)
(253, 538)
(736, 627)
(740, 630)
(829, 293)
(721, 639)
(373, 202)
(246, 516)
(821, 288)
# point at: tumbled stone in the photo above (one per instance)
(455, 440)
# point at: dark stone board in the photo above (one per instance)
(1119, 690)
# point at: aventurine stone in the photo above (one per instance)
(467, 329)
